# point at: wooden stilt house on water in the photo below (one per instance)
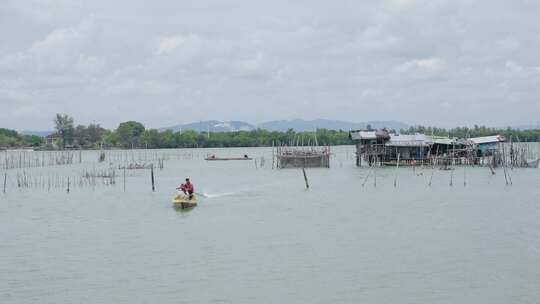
(486, 145)
(383, 148)
(370, 145)
(407, 149)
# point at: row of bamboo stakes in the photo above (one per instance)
(24, 180)
(25, 159)
(37, 159)
(432, 168)
(511, 155)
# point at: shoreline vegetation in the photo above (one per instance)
(132, 134)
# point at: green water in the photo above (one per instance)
(261, 237)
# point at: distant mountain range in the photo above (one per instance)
(212, 126)
(298, 125)
(310, 125)
(527, 127)
(37, 133)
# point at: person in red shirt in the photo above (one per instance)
(187, 188)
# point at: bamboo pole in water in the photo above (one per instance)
(5, 179)
(375, 175)
(366, 178)
(504, 164)
(305, 178)
(397, 167)
(464, 176)
(432, 171)
(152, 176)
(273, 155)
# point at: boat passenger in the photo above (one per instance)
(187, 188)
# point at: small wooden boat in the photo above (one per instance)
(213, 157)
(184, 202)
(533, 163)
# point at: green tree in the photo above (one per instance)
(110, 139)
(80, 135)
(94, 133)
(129, 133)
(8, 141)
(32, 140)
(64, 127)
(89, 136)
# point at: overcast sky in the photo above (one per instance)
(163, 62)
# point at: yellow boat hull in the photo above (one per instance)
(184, 202)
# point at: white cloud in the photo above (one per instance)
(400, 3)
(169, 45)
(62, 51)
(64, 37)
(508, 43)
(431, 63)
(426, 64)
(253, 63)
(513, 67)
(95, 58)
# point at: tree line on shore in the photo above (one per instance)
(477, 131)
(11, 138)
(132, 134)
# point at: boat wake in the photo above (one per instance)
(216, 195)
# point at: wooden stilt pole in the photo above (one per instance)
(152, 176)
(375, 175)
(367, 176)
(432, 171)
(273, 155)
(397, 167)
(305, 178)
(464, 176)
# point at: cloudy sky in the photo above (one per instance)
(163, 62)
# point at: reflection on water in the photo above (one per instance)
(416, 235)
(181, 209)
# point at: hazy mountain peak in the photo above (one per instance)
(283, 125)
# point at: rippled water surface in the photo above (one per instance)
(260, 237)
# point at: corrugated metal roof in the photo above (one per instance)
(359, 135)
(412, 140)
(443, 140)
(487, 139)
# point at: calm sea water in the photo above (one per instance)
(261, 237)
